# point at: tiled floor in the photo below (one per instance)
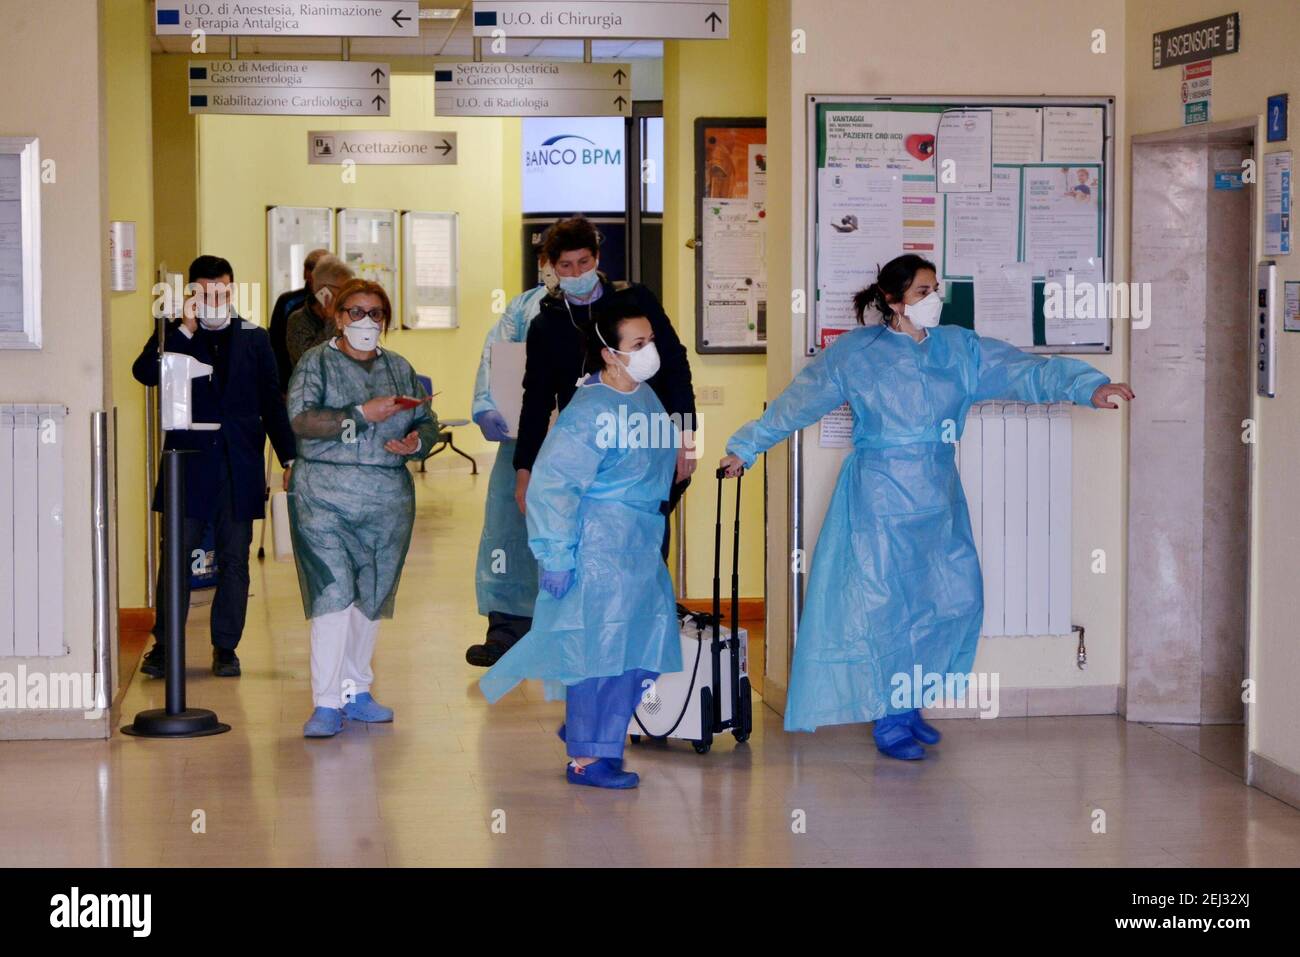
(455, 781)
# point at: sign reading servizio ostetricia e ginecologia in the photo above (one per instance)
(289, 87)
(288, 18)
(381, 148)
(536, 88)
(603, 19)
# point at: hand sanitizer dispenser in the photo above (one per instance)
(177, 377)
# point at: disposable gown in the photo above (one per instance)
(895, 581)
(351, 502)
(594, 506)
(505, 579)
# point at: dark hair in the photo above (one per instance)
(608, 315)
(893, 280)
(210, 267)
(567, 235)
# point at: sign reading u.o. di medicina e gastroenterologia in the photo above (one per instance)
(290, 18)
(604, 19)
(289, 87)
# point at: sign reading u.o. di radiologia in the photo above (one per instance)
(288, 18)
(604, 19)
(381, 148)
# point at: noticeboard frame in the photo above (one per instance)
(28, 151)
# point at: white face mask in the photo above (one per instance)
(212, 317)
(925, 314)
(644, 362)
(362, 335)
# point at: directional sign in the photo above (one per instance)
(381, 148)
(534, 88)
(289, 87)
(340, 18)
(603, 19)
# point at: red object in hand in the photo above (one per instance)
(920, 145)
(406, 402)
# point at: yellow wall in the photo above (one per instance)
(54, 72)
(247, 163)
(1243, 81)
(130, 197)
(1028, 47)
(714, 79)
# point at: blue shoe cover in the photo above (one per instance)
(323, 723)
(923, 730)
(366, 708)
(602, 773)
(894, 739)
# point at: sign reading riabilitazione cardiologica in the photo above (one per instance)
(289, 87)
(503, 88)
(603, 19)
(381, 148)
(1196, 41)
(288, 18)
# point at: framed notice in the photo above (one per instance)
(20, 242)
(430, 267)
(368, 244)
(291, 233)
(730, 235)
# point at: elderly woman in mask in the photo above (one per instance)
(360, 415)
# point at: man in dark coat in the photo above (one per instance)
(225, 481)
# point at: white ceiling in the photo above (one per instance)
(446, 38)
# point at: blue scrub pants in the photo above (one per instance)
(597, 712)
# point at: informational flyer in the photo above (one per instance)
(1017, 134)
(1004, 302)
(1073, 134)
(431, 270)
(734, 276)
(1291, 306)
(836, 430)
(982, 227)
(860, 225)
(1277, 203)
(1076, 304)
(1062, 215)
(872, 139)
(964, 152)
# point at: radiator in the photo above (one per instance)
(31, 530)
(1014, 461)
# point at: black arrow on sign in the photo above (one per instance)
(620, 76)
(445, 147)
(620, 102)
(379, 102)
(377, 73)
(402, 21)
(713, 20)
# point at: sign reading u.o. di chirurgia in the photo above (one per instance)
(603, 19)
(381, 148)
(1196, 41)
(288, 18)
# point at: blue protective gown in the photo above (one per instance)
(895, 581)
(593, 506)
(505, 579)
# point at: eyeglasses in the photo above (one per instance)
(357, 313)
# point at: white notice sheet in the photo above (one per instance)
(1076, 304)
(1017, 135)
(1004, 302)
(964, 151)
(1073, 134)
(860, 225)
(1063, 206)
(983, 227)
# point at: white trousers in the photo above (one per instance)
(342, 644)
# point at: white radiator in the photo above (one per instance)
(31, 530)
(1014, 461)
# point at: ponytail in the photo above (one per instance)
(892, 281)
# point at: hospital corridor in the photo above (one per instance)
(706, 449)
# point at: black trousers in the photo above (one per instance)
(674, 496)
(234, 538)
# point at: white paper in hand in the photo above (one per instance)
(506, 381)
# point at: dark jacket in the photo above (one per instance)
(249, 407)
(556, 359)
(279, 325)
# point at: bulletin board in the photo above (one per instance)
(291, 233)
(730, 245)
(20, 242)
(1040, 222)
(368, 244)
(430, 267)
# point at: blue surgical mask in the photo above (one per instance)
(580, 287)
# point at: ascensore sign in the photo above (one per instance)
(1196, 41)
